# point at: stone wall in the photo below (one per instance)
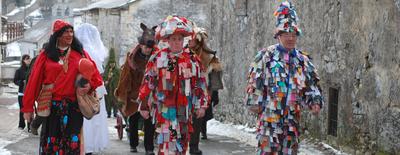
(355, 46)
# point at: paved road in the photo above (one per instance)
(19, 142)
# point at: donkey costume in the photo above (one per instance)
(132, 72)
(213, 72)
(128, 90)
(280, 84)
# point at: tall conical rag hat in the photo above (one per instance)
(174, 25)
(286, 19)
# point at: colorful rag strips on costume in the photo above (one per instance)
(286, 18)
(173, 25)
(174, 88)
(282, 90)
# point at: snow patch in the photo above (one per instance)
(238, 132)
(15, 62)
(14, 106)
(333, 149)
(245, 134)
(4, 143)
(13, 50)
(36, 13)
(9, 138)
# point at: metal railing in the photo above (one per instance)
(11, 31)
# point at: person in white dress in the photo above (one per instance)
(95, 130)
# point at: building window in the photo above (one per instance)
(333, 111)
(241, 7)
(59, 10)
(67, 11)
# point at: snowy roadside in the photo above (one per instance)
(13, 136)
(247, 135)
(16, 10)
(8, 135)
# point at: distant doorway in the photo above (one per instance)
(333, 111)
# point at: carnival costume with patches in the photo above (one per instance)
(173, 89)
(281, 83)
(61, 130)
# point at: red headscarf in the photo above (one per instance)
(59, 24)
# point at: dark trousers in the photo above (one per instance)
(37, 121)
(149, 130)
(21, 123)
(203, 128)
(111, 104)
(195, 135)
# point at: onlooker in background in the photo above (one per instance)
(111, 77)
(37, 121)
(19, 79)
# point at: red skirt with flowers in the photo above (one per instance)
(61, 130)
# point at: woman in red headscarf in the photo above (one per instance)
(173, 88)
(58, 65)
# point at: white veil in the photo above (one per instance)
(96, 129)
(89, 36)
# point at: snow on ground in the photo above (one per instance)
(331, 148)
(14, 106)
(9, 91)
(247, 135)
(4, 143)
(16, 10)
(9, 63)
(234, 131)
(36, 13)
(13, 50)
(12, 136)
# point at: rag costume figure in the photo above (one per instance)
(58, 65)
(282, 81)
(173, 88)
(111, 76)
(95, 130)
(213, 73)
(129, 83)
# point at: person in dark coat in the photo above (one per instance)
(37, 121)
(111, 77)
(19, 79)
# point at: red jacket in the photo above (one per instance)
(46, 71)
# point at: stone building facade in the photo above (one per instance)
(355, 46)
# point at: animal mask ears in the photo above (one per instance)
(143, 26)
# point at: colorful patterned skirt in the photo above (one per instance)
(61, 130)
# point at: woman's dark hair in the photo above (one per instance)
(23, 64)
(51, 48)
